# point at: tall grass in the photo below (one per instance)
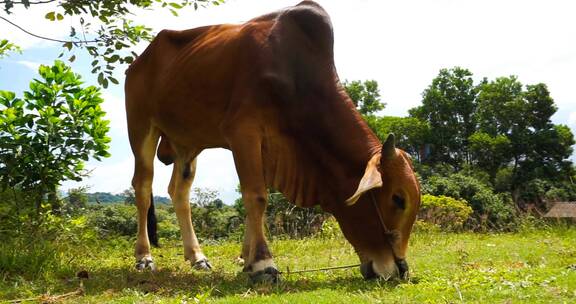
(28, 258)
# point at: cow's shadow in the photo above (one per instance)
(171, 282)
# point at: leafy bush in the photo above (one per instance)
(330, 229)
(113, 220)
(423, 227)
(562, 192)
(213, 221)
(168, 227)
(48, 134)
(446, 212)
(286, 219)
(491, 210)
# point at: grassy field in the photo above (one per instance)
(531, 266)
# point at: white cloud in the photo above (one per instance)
(115, 112)
(572, 120)
(30, 64)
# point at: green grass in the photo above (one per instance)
(532, 266)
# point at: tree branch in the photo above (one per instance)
(47, 38)
(21, 2)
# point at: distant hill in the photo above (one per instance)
(109, 198)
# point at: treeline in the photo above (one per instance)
(490, 143)
(125, 197)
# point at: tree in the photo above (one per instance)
(490, 152)
(500, 127)
(499, 104)
(365, 95)
(101, 28)
(46, 136)
(535, 148)
(6, 47)
(411, 133)
(129, 196)
(76, 200)
(448, 106)
(203, 197)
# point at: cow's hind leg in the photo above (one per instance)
(248, 159)
(144, 147)
(179, 190)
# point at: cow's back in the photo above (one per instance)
(185, 80)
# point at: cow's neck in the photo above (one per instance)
(325, 159)
(352, 144)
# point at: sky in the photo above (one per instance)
(400, 44)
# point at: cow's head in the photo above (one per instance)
(380, 214)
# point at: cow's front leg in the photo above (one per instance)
(257, 257)
(259, 262)
(179, 190)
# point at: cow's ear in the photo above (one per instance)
(371, 179)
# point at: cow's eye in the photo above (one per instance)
(399, 201)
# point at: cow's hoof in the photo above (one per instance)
(202, 265)
(267, 275)
(145, 263)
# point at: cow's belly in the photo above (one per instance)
(190, 122)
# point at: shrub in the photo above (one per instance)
(561, 192)
(113, 219)
(168, 227)
(445, 212)
(286, 219)
(491, 210)
(330, 229)
(421, 226)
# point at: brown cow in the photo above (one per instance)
(268, 91)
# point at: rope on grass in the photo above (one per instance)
(289, 272)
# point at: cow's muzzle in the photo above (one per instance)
(368, 272)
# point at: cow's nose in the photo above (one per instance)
(402, 268)
(367, 271)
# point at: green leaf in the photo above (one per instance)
(113, 59)
(50, 16)
(72, 58)
(59, 16)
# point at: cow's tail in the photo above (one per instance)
(152, 224)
